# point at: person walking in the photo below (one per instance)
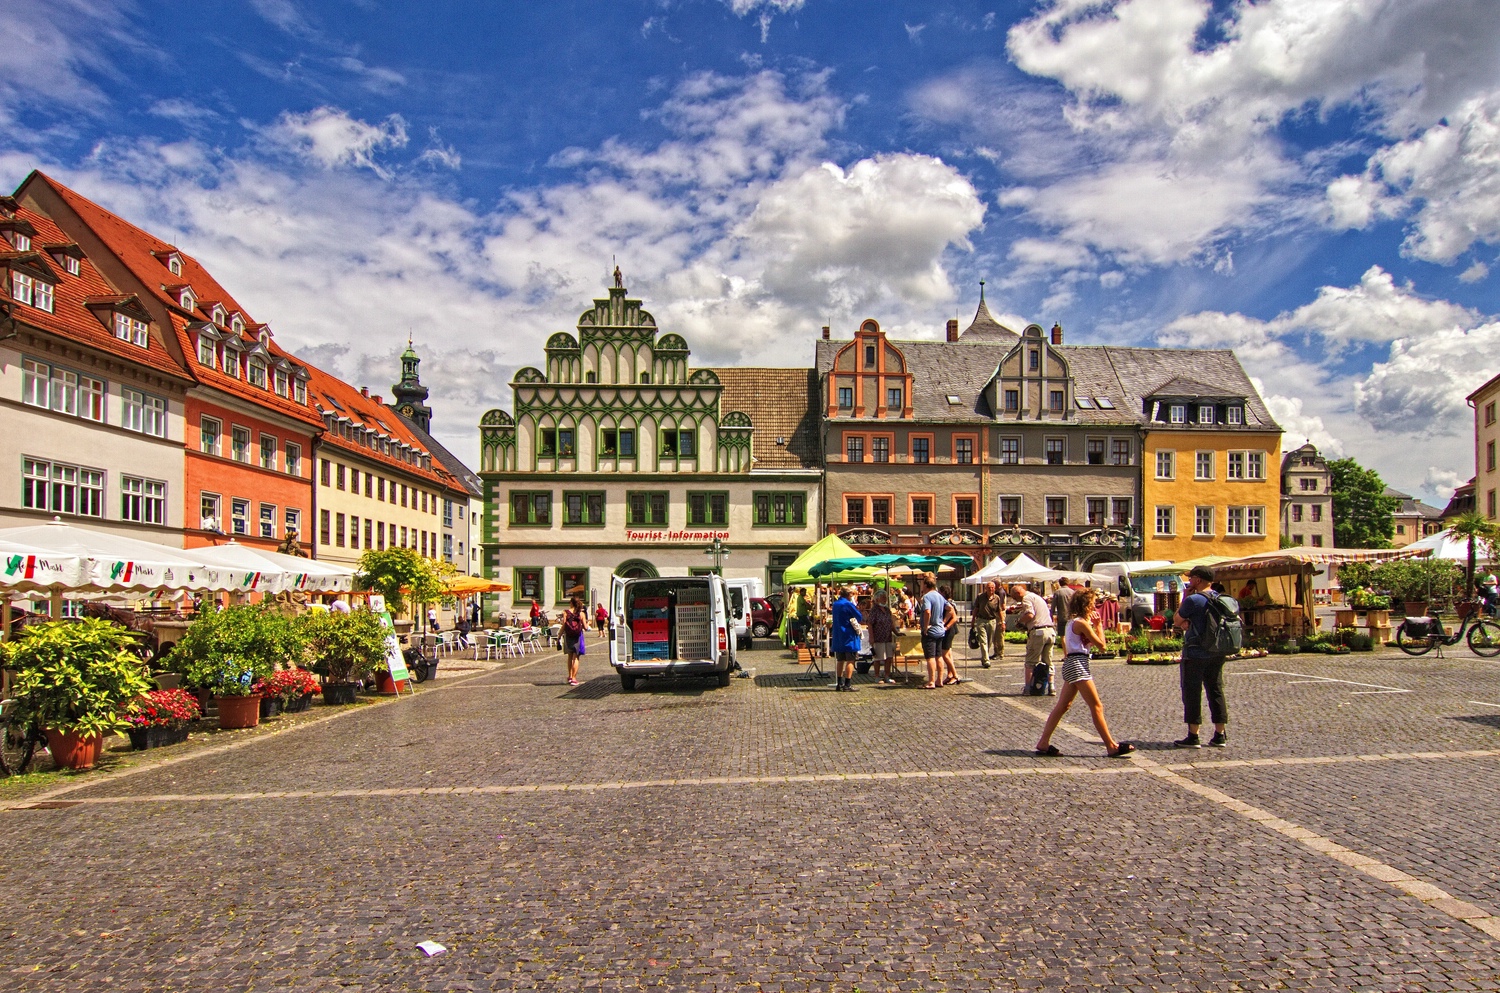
(601, 617)
(989, 612)
(474, 613)
(1082, 634)
(844, 639)
(1202, 669)
(574, 623)
(536, 614)
(933, 609)
(950, 629)
(1036, 620)
(882, 638)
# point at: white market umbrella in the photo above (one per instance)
(116, 563)
(1447, 545)
(1022, 568)
(28, 568)
(273, 572)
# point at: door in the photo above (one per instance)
(619, 624)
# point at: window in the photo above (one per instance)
(353, 531)
(1296, 513)
(299, 391)
(1247, 465)
(1120, 451)
(880, 510)
(1203, 521)
(1489, 412)
(404, 492)
(369, 534)
(268, 451)
(51, 388)
(708, 508)
(257, 370)
(380, 490)
(963, 511)
(1166, 465)
(854, 448)
(893, 396)
(1010, 451)
(1034, 360)
(583, 509)
(1489, 456)
(325, 528)
(643, 509)
(370, 485)
(339, 521)
(921, 450)
(963, 451)
(239, 518)
(21, 241)
(1097, 510)
(1205, 413)
(854, 510)
(208, 505)
(1057, 511)
(1203, 465)
(1177, 413)
(1012, 400)
(869, 356)
(528, 509)
(293, 519)
(1490, 503)
(143, 500)
(1235, 522)
(880, 449)
(62, 489)
(129, 329)
(846, 396)
(528, 585)
(239, 449)
(448, 538)
(146, 414)
(572, 582)
(401, 542)
(1234, 416)
(424, 499)
(1255, 520)
(1010, 510)
(1310, 485)
(547, 448)
(1055, 401)
(1165, 521)
(921, 510)
(679, 444)
(1317, 512)
(206, 351)
(231, 363)
(781, 509)
(617, 443)
(1095, 451)
(21, 286)
(293, 461)
(1317, 541)
(268, 522)
(447, 513)
(1054, 451)
(1119, 511)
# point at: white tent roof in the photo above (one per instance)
(111, 562)
(273, 572)
(1447, 545)
(1025, 569)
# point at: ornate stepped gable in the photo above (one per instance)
(616, 398)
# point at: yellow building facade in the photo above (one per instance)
(1210, 492)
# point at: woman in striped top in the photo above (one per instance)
(1081, 634)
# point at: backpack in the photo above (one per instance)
(1223, 632)
(1041, 675)
(572, 624)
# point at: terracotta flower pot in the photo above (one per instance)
(239, 712)
(73, 751)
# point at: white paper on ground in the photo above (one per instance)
(431, 948)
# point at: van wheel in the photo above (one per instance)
(627, 682)
(724, 678)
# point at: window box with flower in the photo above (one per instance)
(161, 717)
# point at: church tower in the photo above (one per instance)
(410, 395)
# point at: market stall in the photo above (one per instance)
(1275, 589)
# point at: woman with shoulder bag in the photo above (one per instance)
(573, 625)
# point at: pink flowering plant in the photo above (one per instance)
(164, 709)
(288, 684)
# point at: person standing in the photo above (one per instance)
(574, 623)
(934, 630)
(536, 614)
(950, 630)
(882, 638)
(1202, 669)
(989, 609)
(601, 617)
(1062, 604)
(1082, 634)
(474, 613)
(844, 639)
(1036, 620)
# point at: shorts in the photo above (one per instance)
(1075, 668)
(883, 652)
(932, 646)
(847, 656)
(948, 638)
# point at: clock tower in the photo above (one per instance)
(409, 395)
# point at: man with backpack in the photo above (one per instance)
(1211, 632)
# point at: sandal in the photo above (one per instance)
(950, 681)
(929, 686)
(1051, 752)
(1123, 749)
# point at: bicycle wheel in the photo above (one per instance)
(17, 746)
(1484, 639)
(1412, 645)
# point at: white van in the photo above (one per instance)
(1137, 590)
(741, 592)
(670, 626)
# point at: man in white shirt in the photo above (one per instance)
(1035, 618)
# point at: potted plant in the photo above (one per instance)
(161, 717)
(230, 651)
(75, 680)
(1415, 582)
(288, 690)
(344, 648)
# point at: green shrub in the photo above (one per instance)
(76, 676)
(343, 646)
(228, 651)
(1360, 642)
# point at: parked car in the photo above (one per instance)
(764, 617)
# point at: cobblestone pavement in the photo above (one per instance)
(776, 835)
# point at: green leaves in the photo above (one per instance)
(344, 646)
(399, 573)
(1362, 513)
(1417, 579)
(76, 675)
(229, 650)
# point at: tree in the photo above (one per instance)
(1362, 513)
(399, 573)
(1482, 533)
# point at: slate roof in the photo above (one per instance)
(1142, 372)
(465, 476)
(984, 327)
(781, 403)
(1412, 507)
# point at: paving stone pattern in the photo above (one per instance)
(979, 869)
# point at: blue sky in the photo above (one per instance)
(1315, 183)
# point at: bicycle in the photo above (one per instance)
(18, 742)
(1420, 635)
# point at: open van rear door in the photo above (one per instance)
(619, 624)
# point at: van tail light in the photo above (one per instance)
(723, 641)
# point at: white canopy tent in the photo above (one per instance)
(1025, 569)
(273, 572)
(109, 563)
(1447, 545)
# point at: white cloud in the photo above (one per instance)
(1442, 482)
(1476, 273)
(1300, 427)
(52, 52)
(1420, 388)
(743, 7)
(914, 31)
(331, 137)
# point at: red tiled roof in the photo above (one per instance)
(365, 412)
(71, 317)
(145, 256)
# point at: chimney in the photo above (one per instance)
(825, 332)
(378, 399)
(953, 330)
(364, 391)
(1057, 334)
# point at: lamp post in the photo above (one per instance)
(719, 552)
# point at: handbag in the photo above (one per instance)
(973, 636)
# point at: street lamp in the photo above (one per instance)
(719, 552)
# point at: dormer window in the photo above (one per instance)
(237, 324)
(1055, 401)
(1234, 416)
(129, 329)
(1205, 413)
(31, 291)
(187, 300)
(220, 315)
(206, 351)
(70, 263)
(174, 265)
(299, 391)
(1177, 413)
(258, 372)
(231, 363)
(281, 382)
(21, 241)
